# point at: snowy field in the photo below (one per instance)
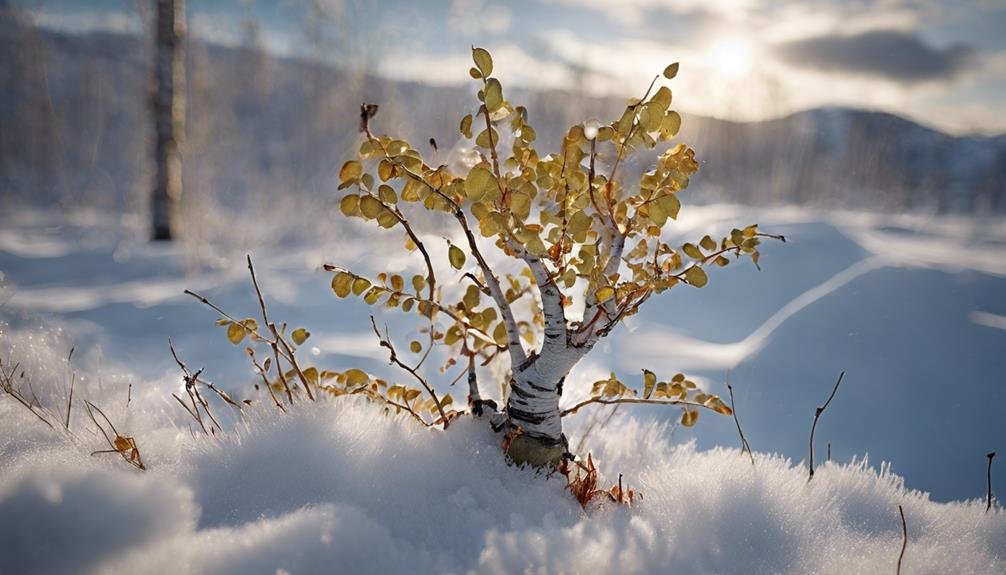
(911, 307)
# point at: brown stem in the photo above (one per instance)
(817, 415)
(744, 442)
(990, 455)
(265, 381)
(277, 338)
(904, 538)
(386, 342)
(69, 401)
(615, 401)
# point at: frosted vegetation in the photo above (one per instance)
(338, 483)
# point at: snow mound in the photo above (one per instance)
(339, 486)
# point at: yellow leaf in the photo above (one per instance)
(300, 335)
(350, 205)
(341, 284)
(360, 285)
(483, 60)
(236, 333)
(649, 381)
(670, 125)
(415, 346)
(370, 207)
(351, 171)
(493, 95)
(696, 276)
(356, 377)
(692, 251)
(487, 138)
(122, 443)
(480, 183)
(689, 417)
(466, 126)
(499, 334)
(456, 256)
(604, 293)
(671, 71)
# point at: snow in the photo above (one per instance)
(339, 484)
(910, 306)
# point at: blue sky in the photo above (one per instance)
(942, 63)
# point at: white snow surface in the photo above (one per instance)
(910, 305)
(338, 486)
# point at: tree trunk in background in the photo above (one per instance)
(169, 118)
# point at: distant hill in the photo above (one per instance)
(268, 131)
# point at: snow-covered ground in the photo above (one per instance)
(911, 307)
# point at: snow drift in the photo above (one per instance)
(338, 486)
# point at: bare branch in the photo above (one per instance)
(904, 538)
(277, 338)
(817, 415)
(618, 400)
(744, 442)
(385, 342)
(990, 455)
(73, 380)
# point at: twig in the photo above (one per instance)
(290, 356)
(124, 446)
(7, 385)
(618, 400)
(265, 380)
(904, 538)
(73, 379)
(744, 442)
(385, 342)
(990, 455)
(817, 415)
(192, 389)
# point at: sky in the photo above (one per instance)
(939, 62)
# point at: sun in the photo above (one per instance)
(731, 57)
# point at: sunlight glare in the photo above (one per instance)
(731, 57)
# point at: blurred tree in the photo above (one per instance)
(169, 117)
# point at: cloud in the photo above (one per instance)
(895, 55)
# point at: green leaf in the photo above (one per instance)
(696, 276)
(671, 71)
(300, 335)
(456, 256)
(483, 60)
